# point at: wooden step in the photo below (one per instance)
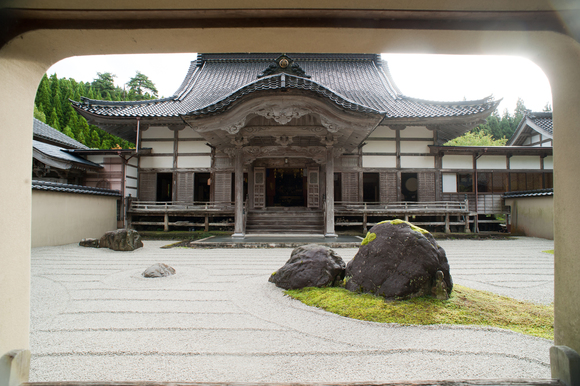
(275, 221)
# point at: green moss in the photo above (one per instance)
(413, 227)
(370, 237)
(550, 251)
(465, 306)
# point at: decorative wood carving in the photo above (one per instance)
(329, 140)
(284, 64)
(317, 153)
(281, 114)
(283, 140)
(239, 141)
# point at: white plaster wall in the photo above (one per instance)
(157, 162)
(383, 132)
(193, 147)
(131, 191)
(525, 162)
(535, 138)
(527, 141)
(492, 162)
(188, 133)
(64, 218)
(416, 132)
(415, 147)
(202, 161)
(379, 161)
(158, 147)
(380, 147)
(157, 132)
(134, 161)
(409, 162)
(549, 162)
(98, 159)
(131, 171)
(449, 182)
(532, 216)
(457, 162)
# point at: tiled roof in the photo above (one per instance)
(359, 82)
(530, 193)
(539, 122)
(542, 120)
(61, 154)
(58, 187)
(43, 131)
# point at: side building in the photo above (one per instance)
(306, 143)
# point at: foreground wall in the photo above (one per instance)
(532, 216)
(65, 218)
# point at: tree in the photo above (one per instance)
(67, 130)
(476, 139)
(39, 114)
(139, 84)
(104, 83)
(547, 107)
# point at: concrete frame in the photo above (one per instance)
(34, 36)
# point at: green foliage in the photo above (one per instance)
(465, 307)
(39, 114)
(52, 106)
(476, 139)
(139, 85)
(496, 130)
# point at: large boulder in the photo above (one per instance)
(310, 265)
(398, 260)
(121, 240)
(159, 270)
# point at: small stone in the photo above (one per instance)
(310, 266)
(89, 243)
(159, 270)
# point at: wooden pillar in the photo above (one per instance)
(239, 194)
(206, 223)
(329, 231)
(447, 229)
(166, 222)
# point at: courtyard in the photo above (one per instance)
(93, 317)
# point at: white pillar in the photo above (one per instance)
(329, 231)
(239, 230)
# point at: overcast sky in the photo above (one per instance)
(433, 77)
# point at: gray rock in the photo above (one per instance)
(310, 266)
(399, 261)
(159, 270)
(90, 243)
(121, 240)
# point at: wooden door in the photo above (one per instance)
(313, 187)
(222, 187)
(185, 186)
(147, 186)
(259, 187)
(350, 191)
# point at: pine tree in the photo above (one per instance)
(95, 140)
(53, 120)
(140, 84)
(67, 130)
(43, 96)
(39, 114)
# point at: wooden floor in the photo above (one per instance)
(481, 382)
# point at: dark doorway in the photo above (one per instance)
(164, 184)
(201, 187)
(409, 186)
(285, 187)
(371, 187)
(337, 187)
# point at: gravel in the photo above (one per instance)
(95, 318)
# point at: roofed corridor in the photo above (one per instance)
(219, 320)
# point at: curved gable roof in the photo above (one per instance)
(354, 81)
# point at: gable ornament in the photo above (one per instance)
(283, 64)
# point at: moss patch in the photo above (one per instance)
(369, 237)
(466, 306)
(397, 221)
(551, 251)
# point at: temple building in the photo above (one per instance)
(307, 143)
